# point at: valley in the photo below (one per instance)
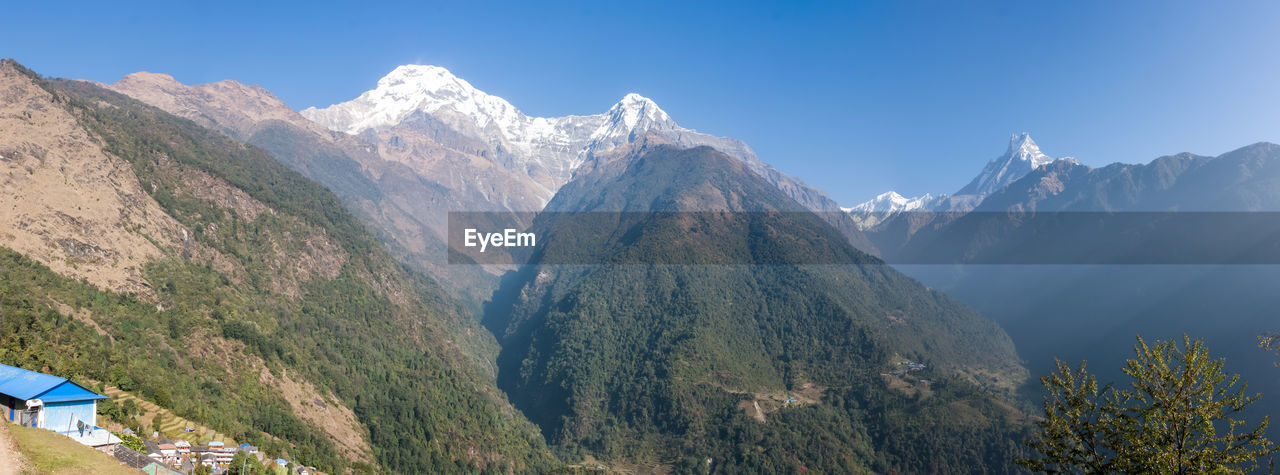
(420, 238)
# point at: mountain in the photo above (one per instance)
(1097, 257)
(1020, 158)
(547, 150)
(144, 251)
(416, 102)
(1176, 209)
(888, 204)
(662, 367)
(739, 367)
(402, 192)
(1243, 180)
(426, 143)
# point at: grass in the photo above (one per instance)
(48, 452)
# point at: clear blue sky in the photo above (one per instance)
(855, 98)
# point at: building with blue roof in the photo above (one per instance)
(45, 401)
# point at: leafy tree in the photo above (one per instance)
(1179, 414)
(131, 441)
(1076, 423)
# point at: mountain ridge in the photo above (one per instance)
(407, 173)
(1021, 157)
(551, 149)
(263, 295)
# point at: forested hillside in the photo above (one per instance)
(733, 364)
(267, 279)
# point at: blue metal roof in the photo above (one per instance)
(68, 391)
(26, 385)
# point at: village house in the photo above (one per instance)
(152, 449)
(220, 452)
(168, 452)
(184, 447)
(50, 402)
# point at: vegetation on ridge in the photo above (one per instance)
(383, 341)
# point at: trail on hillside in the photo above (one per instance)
(10, 459)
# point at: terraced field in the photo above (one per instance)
(173, 425)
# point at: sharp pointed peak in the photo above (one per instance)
(632, 107)
(1023, 148)
(1022, 141)
(636, 101)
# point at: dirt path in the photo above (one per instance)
(10, 462)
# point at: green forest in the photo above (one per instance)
(629, 361)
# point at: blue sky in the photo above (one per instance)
(855, 98)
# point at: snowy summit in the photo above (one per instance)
(1022, 156)
(556, 144)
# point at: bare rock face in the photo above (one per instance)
(66, 202)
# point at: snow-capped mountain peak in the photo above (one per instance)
(1022, 148)
(634, 113)
(891, 201)
(547, 147)
(634, 107)
(887, 205)
(412, 88)
(1022, 156)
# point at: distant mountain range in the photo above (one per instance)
(1020, 158)
(1094, 256)
(1066, 212)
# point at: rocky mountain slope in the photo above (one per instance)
(402, 191)
(542, 153)
(161, 257)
